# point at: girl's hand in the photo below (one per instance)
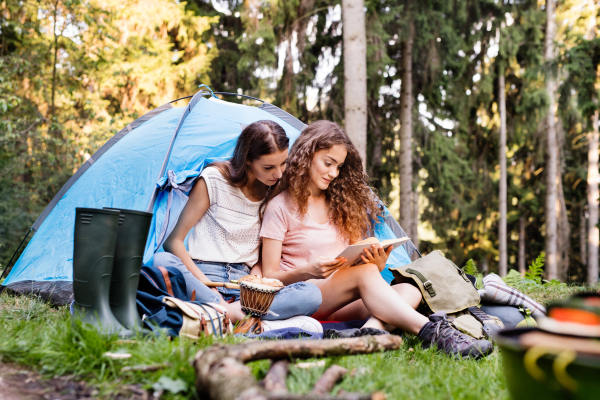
(377, 255)
(323, 267)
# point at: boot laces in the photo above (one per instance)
(444, 331)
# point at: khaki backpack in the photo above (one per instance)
(445, 287)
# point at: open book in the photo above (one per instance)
(354, 251)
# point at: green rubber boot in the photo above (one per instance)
(93, 257)
(131, 243)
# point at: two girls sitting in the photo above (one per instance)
(305, 207)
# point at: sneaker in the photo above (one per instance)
(352, 333)
(438, 331)
(307, 324)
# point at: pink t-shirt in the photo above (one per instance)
(303, 239)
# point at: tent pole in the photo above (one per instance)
(14, 254)
(187, 111)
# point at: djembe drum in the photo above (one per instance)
(256, 298)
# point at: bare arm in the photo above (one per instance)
(318, 269)
(193, 211)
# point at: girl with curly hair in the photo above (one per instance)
(321, 205)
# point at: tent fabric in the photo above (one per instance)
(123, 174)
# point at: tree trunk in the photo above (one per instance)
(503, 264)
(592, 196)
(522, 245)
(563, 242)
(55, 60)
(415, 219)
(377, 137)
(355, 74)
(406, 104)
(552, 147)
(593, 177)
(582, 236)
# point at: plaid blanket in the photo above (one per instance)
(496, 291)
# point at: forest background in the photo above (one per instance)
(478, 118)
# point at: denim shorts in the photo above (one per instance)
(300, 298)
(224, 272)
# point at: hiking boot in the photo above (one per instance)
(439, 332)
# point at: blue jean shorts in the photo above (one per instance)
(300, 298)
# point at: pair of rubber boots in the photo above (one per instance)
(107, 258)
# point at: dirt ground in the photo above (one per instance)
(19, 383)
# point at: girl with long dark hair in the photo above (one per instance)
(322, 204)
(224, 211)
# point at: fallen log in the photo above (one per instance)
(275, 381)
(222, 375)
(329, 379)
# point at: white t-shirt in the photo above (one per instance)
(229, 231)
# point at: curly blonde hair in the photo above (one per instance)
(352, 203)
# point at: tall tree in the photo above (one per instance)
(406, 127)
(503, 262)
(593, 176)
(355, 74)
(551, 144)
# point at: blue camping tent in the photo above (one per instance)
(123, 174)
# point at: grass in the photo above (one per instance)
(42, 337)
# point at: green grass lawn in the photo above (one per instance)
(41, 337)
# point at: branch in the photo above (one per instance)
(221, 374)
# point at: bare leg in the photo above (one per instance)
(358, 310)
(381, 300)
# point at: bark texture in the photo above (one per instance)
(355, 74)
(503, 264)
(593, 176)
(222, 375)
(582, 236)
(522, 245)
(275, 381)
(406, 105)
(592, 180)
(551, 147)
(326, 382)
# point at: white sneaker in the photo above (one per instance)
(302, 322)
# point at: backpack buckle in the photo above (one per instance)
(427, 284)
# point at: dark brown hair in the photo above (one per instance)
(352, 203)
(256, 140)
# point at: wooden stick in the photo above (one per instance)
(220, 373)
(226, 285)
(326, 382)
(274, 382)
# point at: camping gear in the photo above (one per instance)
(511, 317)
(164, 306)
(200, 318)
(550, 367)
(122, 174)
(445, 287)
(576, 316)
(495, 290)
(131, 241)
(94, 242)
(256, 299)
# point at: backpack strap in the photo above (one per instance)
(426, 283)
(165, 275)
(490, 328)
